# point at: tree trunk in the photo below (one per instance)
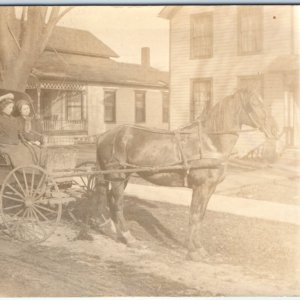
(20, 49)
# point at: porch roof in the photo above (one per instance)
(96, 69)
(284, 63)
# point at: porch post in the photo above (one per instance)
(39, 100)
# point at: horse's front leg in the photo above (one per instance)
(195, 210)
(200, 199)
(117, 211)
(206, 192)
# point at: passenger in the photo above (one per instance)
(9, 128)
(10, 142)
(29, 126)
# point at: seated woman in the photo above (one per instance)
(30, 127)
(30, 131)
(10, 142)
(9, 128)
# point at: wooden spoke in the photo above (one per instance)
(38, 220)
(18, 182)
(14, 199)
(11, 207)
(45, 208)
(41, 214)
(8, 185)
(17, 214)
(25, 181)
(32, 183)
(43, 178)
(84, 183)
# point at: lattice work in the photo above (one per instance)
(58, 85)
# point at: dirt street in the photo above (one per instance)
(246, 257)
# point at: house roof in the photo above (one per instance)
(76, 41)
(168, 12)
(95, 69)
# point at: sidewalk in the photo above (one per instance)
(233, 205)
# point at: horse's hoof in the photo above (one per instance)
(194, 256)
(84, 236)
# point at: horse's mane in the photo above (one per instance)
(224, 116)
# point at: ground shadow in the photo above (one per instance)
(138, 210)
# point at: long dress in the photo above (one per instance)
(34, 132)
(30, 130)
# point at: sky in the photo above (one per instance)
(126, 29)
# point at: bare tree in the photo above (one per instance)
(21, 45)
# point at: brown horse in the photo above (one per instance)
(197, 148)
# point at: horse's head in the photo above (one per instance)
(255, 114)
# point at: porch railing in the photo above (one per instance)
(64, 125)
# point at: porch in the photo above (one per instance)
(62, 127)
(61, 106)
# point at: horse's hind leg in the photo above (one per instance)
(101, 206)
(117, 207)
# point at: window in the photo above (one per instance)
(140, 107)
(165, 108)
(201, 97)
(250, 29)
(253, 83)
(201, 35)
(74, 106)
(109, 106)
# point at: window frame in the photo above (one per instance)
(114, 106)
(192, 102)
(140, 92)
(193, 17)
(68, 106)
(259, 16)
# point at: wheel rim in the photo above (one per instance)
(28, 211)
(87, 183)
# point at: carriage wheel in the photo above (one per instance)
(87, 182)
(29, 211)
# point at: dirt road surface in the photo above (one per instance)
(246, 257)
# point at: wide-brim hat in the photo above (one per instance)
(8, 96)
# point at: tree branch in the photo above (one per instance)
(54, 18)
(64, 13)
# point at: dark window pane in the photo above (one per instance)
(74, 106)
(201, 35)
(110, 106)
(250, 29)
(140, 107)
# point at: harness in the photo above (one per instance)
(183, 160)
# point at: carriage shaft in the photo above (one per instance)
(199, 164)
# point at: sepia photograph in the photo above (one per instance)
(149, 150)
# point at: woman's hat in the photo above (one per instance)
(8, 96)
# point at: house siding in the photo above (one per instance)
(225, 66)
(125, 108)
